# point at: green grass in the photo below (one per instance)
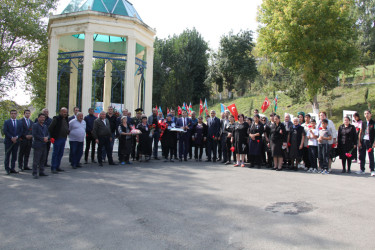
(346, 97)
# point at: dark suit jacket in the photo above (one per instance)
(371, 130)
(9, 130)
(26, 130)
(101, 130)
(180, 124)
(213, 127)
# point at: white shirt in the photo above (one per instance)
(311, 141)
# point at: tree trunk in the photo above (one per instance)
(220, 96)
(315, 105)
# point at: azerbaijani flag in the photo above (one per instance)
(205, 106)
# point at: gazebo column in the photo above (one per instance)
(52, 74)
(73, 86)
(129, 75)
(107, 85)
(148, 79)
(87, 71)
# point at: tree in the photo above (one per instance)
(365, 10)
(180, 65)
(236, 62)
(22, 33)
(315, 37)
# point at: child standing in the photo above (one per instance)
(312, 135)
(323, 150)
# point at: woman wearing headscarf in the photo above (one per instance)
(125, 141)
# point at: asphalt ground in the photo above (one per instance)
(186, 205)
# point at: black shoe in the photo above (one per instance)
(113, 164)
(43, 174)
(54, 172)
(251, 166)
(208, 160)
(214, 160)
(258, 167)
(156, 158)
(166, 160)
(27, 168)
(219, 159)
(176, 158)
(279, 169)
(343, 171)
(86, 162)
(35, 176)
(74, 167)
(171, 160)
(190, 158)
(100, 164)
(223, 161)
(180, 160)
(93, 161)
(7, 172)
(60, 170)
(12, 171)
(227, 163)
(185, 159)
(79, 165)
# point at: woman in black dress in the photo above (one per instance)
(169, 139)
(347, 143)
(144, 139)
(125, 141)
(278, 142)
(230, 129)
(255, 131)
(296, 139)
(199, 137)
(240, 140)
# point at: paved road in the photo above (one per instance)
(188, 205)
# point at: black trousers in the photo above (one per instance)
(10, 150)
(24, 153)
(106, 143)
(48, 148)
(90, 141)
(305, 157)
(211, 147)
(200, 147)
(229, 152)
(313, 156)
(224, 148)
(39, 158)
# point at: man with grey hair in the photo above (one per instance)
(103, 137)
(77, 128)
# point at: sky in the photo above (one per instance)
(210, 18)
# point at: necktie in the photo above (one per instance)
(27, 123)
(14, 127)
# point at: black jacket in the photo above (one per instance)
(371, 130)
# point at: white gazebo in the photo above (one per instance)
(91, 30)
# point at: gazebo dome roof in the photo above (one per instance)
(117, 7)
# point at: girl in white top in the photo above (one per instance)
(312, 135)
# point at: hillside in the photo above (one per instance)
(345, 97)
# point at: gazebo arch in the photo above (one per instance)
(88, 31)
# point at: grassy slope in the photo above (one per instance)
(346, 97)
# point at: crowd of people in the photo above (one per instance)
(258, 141)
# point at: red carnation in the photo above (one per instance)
(289, 144)
(310, 126)
(257, 141)
(307, 146)
(213, 137)
(320, 128)
(333, 145)
(232, 149)
(357, 129)
(369, 150)
(52, 140)
(348, 155)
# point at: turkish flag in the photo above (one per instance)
(201, 107)
(167, 110)
(232, 108)
(265, 104)
(179, 111)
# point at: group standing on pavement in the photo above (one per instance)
(301, 142)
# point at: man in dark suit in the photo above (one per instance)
(153, 120)
(26, 141)
(90, 141)
(184, 137)
(12, 131)
(366, 140)
(47, 122)
(223, 135)
(213, 133)
(103, 137)
(74, 116)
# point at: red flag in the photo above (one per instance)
(233, 109)
(167, 110)
(156, 107)
(200, 107)
(179, 112)
(265, 104)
